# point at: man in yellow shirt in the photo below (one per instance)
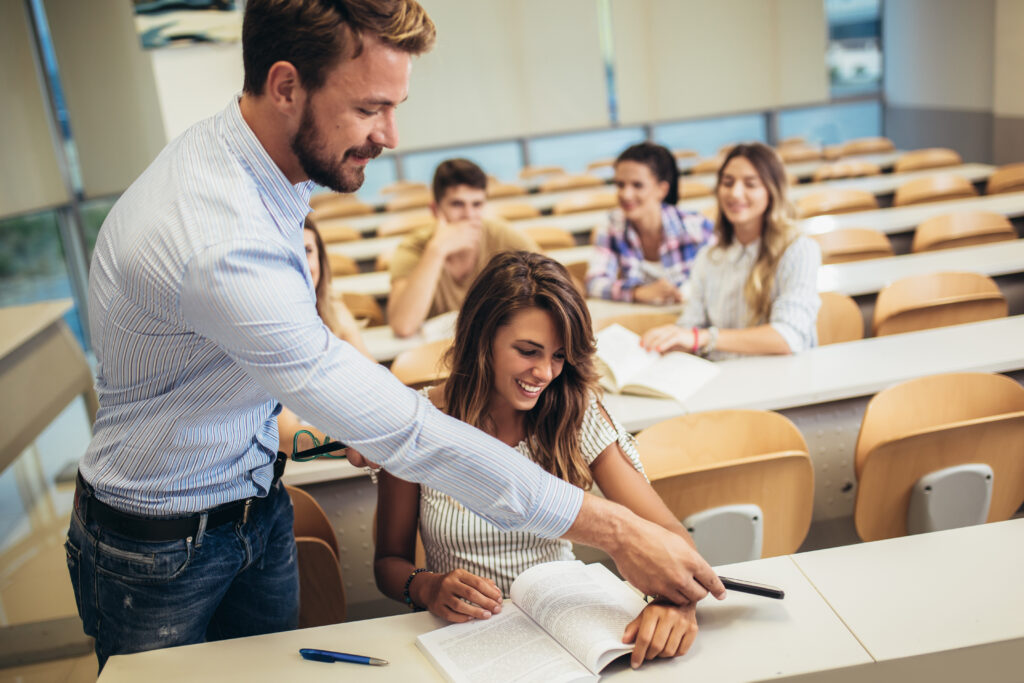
(434, 266)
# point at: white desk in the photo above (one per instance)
(773, 636)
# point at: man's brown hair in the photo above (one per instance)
(454, 172)
(314, 35)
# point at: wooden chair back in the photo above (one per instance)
(869, 145)
(400, 186)
(600, 163)
(341, 264)
(852, 244)
(423, 365)
(498, 189)
(363, 307)
(570, 182)
(792, 154)
(591, 201)
(321, 198)
(535, 171)
(846, 169)
(550, 237)
(793, 140)
(962, 229)
(829, 202)
(931, 423)
(936, 188)
(332, 233)
(383, 260)
(921, 302)
(578, 273)
(724, 457)
(405, 222)
(839, 319)
(1008, 178)
(932, 157)
(636, 322)
(688, 189)
(709, 165)
(321, 588)
(410, 199)
(339, 207)
(514, 211)
(684, 153)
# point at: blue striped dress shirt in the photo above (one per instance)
(204, 321)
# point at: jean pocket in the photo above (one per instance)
(142, 562)
(74, 558)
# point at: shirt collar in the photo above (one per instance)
(288, 204)
(737, 252)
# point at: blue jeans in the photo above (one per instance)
(231, 581)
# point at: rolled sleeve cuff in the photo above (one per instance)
(557, 506)
(796, 341)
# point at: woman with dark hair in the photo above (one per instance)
(755, 291)
(335, 315)
(522, 370)
(646, 251)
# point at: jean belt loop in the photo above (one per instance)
(202, 529)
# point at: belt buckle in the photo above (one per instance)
(245, 510)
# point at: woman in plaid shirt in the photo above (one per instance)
(646, 252)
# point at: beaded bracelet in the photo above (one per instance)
(405, 592)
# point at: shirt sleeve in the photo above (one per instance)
(598, 432)
(794, 312)
(252, 299)
(695, 313)
(605, 266)
(408, 254)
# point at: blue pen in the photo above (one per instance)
(331, 657)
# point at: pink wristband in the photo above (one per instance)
(696, 337)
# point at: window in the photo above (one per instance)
(708, 136)
(854, 53)
(500, 159)
(833, 123)
(574, 151)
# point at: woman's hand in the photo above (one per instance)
(659, 292)
(446, 595)
(661, 630)
(667, 338)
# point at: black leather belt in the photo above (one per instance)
(156, 529)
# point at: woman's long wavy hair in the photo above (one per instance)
(323, 288)
(777, 233)
(514, 281)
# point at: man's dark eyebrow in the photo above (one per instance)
(382, 102)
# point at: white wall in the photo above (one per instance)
(194, 82)
(1009, 59)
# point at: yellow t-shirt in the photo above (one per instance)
(495, 238)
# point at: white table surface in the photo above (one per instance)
(772, 635)
(839, 371)
(940, 591)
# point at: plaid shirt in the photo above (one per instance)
(616, 268)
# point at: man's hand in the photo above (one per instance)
(357, 459)
(650, 557)
(452, 238)
(660, 292)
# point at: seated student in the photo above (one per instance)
(434, 266)
(756, 290)
(334, 314)
(522, 371)
(646, 252)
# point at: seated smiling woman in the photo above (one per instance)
(522, 370)
(755, 291)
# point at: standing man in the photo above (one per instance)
(204, 321)
(434, 266)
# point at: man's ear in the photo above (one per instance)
(284, 89)
(433, 209)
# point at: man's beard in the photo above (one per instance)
(308, 148)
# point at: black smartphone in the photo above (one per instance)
(753, 588)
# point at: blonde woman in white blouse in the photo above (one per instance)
(521, 370)
(755, 291)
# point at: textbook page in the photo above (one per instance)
(677, 375)
(585, 608)
(507, 647)
(620, 352)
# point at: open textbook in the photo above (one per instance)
(564, 623)
(627, 368)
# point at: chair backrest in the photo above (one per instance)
(400, 186)
(550, 237)
(405, 222)
(333, 233)
(319, 199)
(846, 169)
(339, 207)
(839, 319)
(1008, 178)
(600, 163)
(870, 145)
(422, 365)
(688, 189)
(932, 157)
(341, 264)
(930, 423)
(936, 188)
(791, 154)
(570, 182)
(828, 202)
(852, 244)
(961, 229)
(498, 189)
(591, 201)
(363, 307)
(383, 260)
(321, 588)
(921, 302)
(724, 457)
(535, 171)
(636, 322)
(514, 211)
(684, 153)
(410, 199)
(578, 273)
(792, 140)
(709, 165)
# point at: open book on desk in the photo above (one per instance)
(564, 623)
(627, 368)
